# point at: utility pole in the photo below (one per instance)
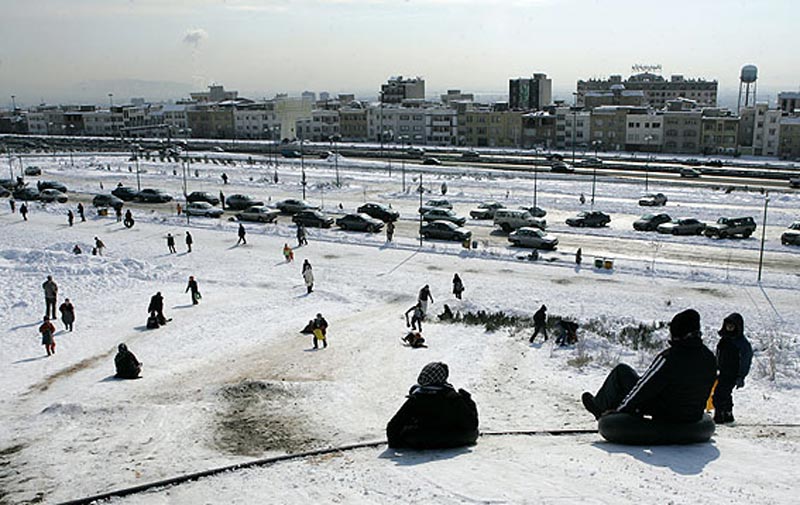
(763, 232)
(421, 190)
(303, 168)
(535, 184)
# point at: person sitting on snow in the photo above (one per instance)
(414, 339)
(675, 387)
(434, 415)
(128, 367)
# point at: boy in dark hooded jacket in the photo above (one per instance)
(128, 367)
(435, 415)
(734, 355)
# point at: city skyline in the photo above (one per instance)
(60, 51)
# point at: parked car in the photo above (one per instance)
(42, 185)
(293, 206)
(682, 226)
(511, 219)
(730, 227)
(379, 211)
(714, 163)
(12, 184)
(591, 219)
(125, 193)
(51, 195)
(202, 196)
(33, 170)
(535, 211)
(589, 162)
(690, 173)
(532, 237)
(554, 157)
(486, 210)
(444, 215)
(435, 204)
(653, 200)
(794, 182)
(324, 155)
(26, 194)
(445, 230)
(107, 201)
(153, 196)
(430, 160)
(792, 235)
(4, 192)
(241, 202)
(692, 162)
(290, 153)
(258, 214)
(203, 209)
(314, 218)
(470, 155)
(559, 167)
(359, 222)
(649, 222)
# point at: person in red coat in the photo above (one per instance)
(48, 331)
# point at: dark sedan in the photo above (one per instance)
(107, 201)
(241, 202)
(314, 218)
(293, 205)
(445, 230)
(125, 193)
(148, 195)
(590, 219)
(51, 195)
(649, 222)
(26, 194)
(203, 196)
(359, 222)
(379, 211)
(42, 185)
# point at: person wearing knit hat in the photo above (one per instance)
(673, 389)
(434, 415)
(734, 355)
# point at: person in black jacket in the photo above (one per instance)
(539, 323)
(674, 388)
(435, 415)
(734, 355)
(156, 308)
(192, 286)
(128, 367)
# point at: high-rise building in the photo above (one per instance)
(657, 90)
(789, 101)
(534, 93)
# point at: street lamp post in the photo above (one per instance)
(110, 100)
(135, 151)
(594, 170)
(335, 139)
(647, 139)
(13, 104)
(303, 168)
(186, 161)
(574, 126)
(763, 233)
(535, 185)
(421, 190)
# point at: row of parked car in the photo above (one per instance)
(725, 227)
(45, 191)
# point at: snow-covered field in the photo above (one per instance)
(232, 379)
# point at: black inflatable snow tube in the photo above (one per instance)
(627, 429)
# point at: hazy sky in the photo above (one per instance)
(48, 47)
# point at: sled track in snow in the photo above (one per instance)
(181, 479)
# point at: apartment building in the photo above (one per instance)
(720, 131)
(609, 126)
(538, 129)
(215, 93)
(489, 126)
(617, 95)
(257, 120)
(573, 125)
(398, 89)
(211, 121)
(441, 126)
(321, 126)
(353, 123)
(645, 132)
(789, 101)
(657, 90)
(789, 148)
(402, 124)
(759, 130)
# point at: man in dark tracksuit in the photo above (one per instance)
(435, 415)
(734, 355)
(539, 323)
(674, 388)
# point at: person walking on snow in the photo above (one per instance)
(308, 276)
(424, 296)
(99, 245)
(13, 205)
(319, 327)
(171, 243)
(539, 323)
(416, 318)
(222, 199)
(578, 256)
(81, 212)
(48, 331)
(389, 231)
(194, 289)
(458, 286)
(734, 355)
(288, 254)
(70, 217)
(242, 235)
(23, 211)
(50, 295)
(156, 308)
(301, 235)
(118, 213)
(67, 314)
(189, 242)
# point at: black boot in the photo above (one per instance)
(588, 403)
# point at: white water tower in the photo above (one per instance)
(747, 83)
